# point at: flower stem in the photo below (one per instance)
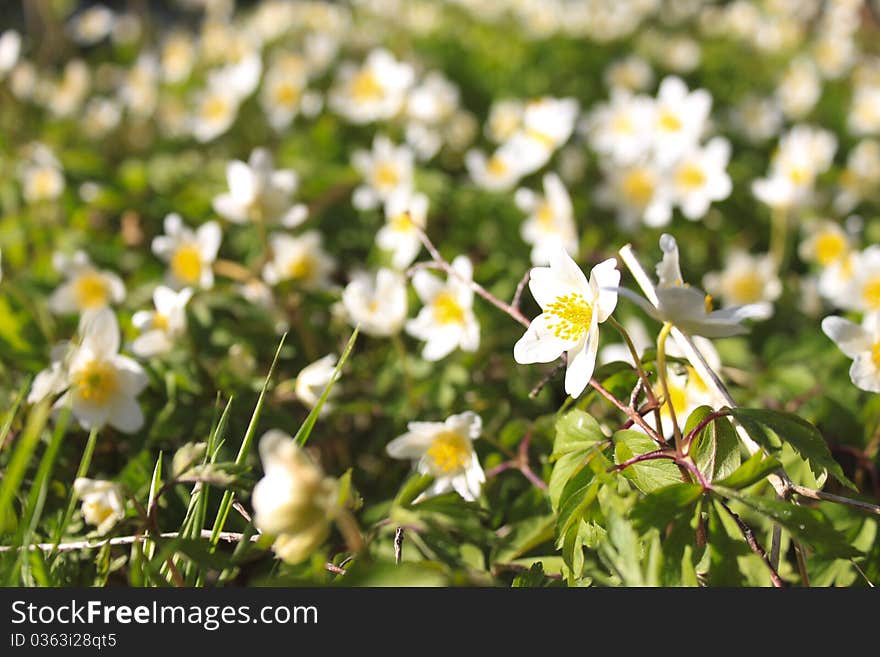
(778, 234)
(81, 471)
(664, 383)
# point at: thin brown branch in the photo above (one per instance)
(749, 535)
(811, 494)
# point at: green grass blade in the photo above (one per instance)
(18, 464)
(83, 469)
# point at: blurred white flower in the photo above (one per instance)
(632, 73)
(746, 280)
(505, 118)
(41, 175)
(550, 224)
(386, 169)
(572, 309)
(312, 379)
(161, 328)
(862, 344)
(799, 89)
(85, 287)
(621, 128)
(215, 110)
(178, 56)
(102, 502)
(10, 48)
(445, 451)
(372, 92)
(294, 501)
(190, 254)
(700, 177)
(260, 193)
(405, 214)
(640, 193)
(376, 303)
(447, 320)
(301, 259)
(864, 114)
(680, 118)
(497, 173)
(92, 25)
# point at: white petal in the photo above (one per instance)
(851, 338)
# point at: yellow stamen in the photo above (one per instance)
(496, 166)
(449, 452)
(747, 288)
(286, 95)
(365, 86)
(386, 176)
(830, 247)
(638, 187)
(92, 290)
(871, 293)
(186, 264)
(215, 109)
(690, 176)
(570, 315)
(160, 322)
(669, 121)
(302, 267)
(96, 383)
(447, 310)
(402, 222)
(709, 305)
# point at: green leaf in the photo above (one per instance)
(578, 495)
(524, 536)
(715, 449)
(665, 505)
(388, 573)
(647, 475)
(756, 468)
(576, 431)
(798, 433)
(724, 550)
(810, 526)
(412, 488)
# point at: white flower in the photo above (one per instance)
(372, 92)
(862, 344)
(505, 118)
(294, 501)
(757, 118)
(189, 254)
(85, 287)
(42, 178)
(700, 177)
(377, 304)
(445, 451)
(864, 291)
(572, 309)
(861, 178)
(284, 91)
(92, 25)
(679, 119)
(405, 213)
(139, 91)
(433, 100)
(826, 243)
(631, 73)
(259, 192)
(640, 193)
(160, 328)
(177, 57)
(102, 502)
(622, 128)
(10, 48)
(746, 279)
(864, 114)
(689, 308)
(386, 169)
(301, 259)
(447, 319)
(799, 89)
(101, 384)
(497, 173)
(312, 380)
(215, 110)
(550, 224)
(547, 123)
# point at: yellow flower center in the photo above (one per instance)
(447, 310)
(830, 247)
(569, 316)
(708, 301)
(638, 187)
(545, 217)
(96, 512)
(690, 176)
(365, 86)
(286, 95)
(678, 399)
(215, 109)
(402, 222)
(44, 183)
(186, 264)
(302, 267)
(96, 383)
(160, 322)
(875, 354)
(91, 290)
(871, 293)
(798, 175)
(747, 288)
(386, 176)
(373, 307)
(542, 137)
(669, 121)
(496, 166)
(449, 452)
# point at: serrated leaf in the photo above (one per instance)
(576, 431)
(756, 468)
(578, 494)
(808, 525)
(801, 435)
(647, 475)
